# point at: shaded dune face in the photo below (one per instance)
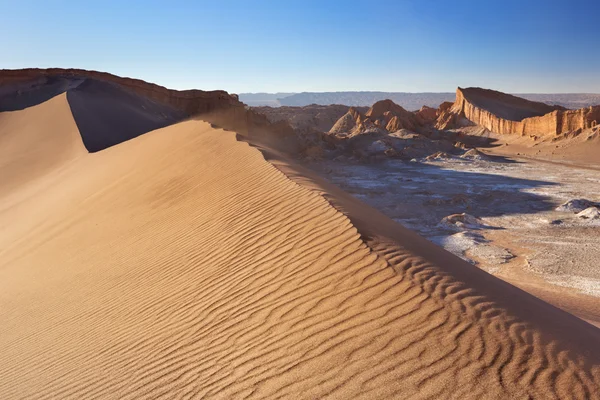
(181, 264)
(107, 114)
(35, 143)
(110, 109)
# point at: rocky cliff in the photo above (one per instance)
(191, 102)
(383, 115)
(507, 114)
(311, 118)
(26, 87)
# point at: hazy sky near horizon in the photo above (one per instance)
(518, 46)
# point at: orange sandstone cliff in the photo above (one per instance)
(506, 114)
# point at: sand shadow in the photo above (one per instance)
(106, 113)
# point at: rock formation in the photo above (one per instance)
(352, 122)
(27, 87)
(506, 114)
(384, 115)
(311, 118)
(426, 115)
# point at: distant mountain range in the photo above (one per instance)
(264, 99)
(410, 101)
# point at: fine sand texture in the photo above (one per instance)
(34, 144)
(181, 264)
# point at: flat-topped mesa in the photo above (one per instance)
(506, 114)
(504, 105)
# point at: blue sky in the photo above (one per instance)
(270, 46)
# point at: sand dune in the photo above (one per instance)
(181, 264)
(35, 142)
(107, 114)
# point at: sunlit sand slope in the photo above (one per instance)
(35, 142)
(181, 264)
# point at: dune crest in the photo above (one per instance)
(110, 109)
(182, 264)
(37, 141)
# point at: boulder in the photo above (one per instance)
(474, 154)
(590, 213)
(461, 222)
(577, 205)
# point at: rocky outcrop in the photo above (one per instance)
(391, 116)
(384, 115)
(426, 115)
(445, 118)
(577, 205)
(352, 122)
(507, 114)
(311, 118)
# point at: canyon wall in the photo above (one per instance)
(507, 114)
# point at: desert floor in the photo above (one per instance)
(521, 238)
(183, 264)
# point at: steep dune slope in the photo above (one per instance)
(107, 114)
(109, 109)
(181, 264)
(37, 141)
(30, 86)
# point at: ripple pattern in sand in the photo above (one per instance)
(184, 266)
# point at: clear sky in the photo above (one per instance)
(290, 46)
